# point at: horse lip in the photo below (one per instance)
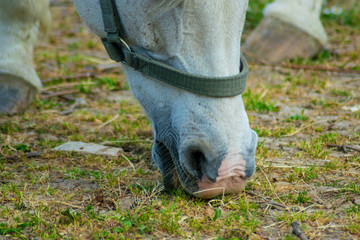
(230, 178)
(236, 176)
(237, 170)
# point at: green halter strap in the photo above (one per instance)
(119, 51)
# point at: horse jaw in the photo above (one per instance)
(203, 143)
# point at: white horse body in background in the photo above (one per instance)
(204, 142)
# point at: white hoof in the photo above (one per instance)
(15, 94)
(303, 14)
(290, 29)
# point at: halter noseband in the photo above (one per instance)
(119, 51)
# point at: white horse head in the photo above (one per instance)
(203, 143)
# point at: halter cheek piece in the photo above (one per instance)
(119, 51)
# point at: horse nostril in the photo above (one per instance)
(197, 165)
(194, 161)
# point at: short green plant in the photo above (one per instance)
(22, 147)
(302, 197)
(350, 17)
(256, 102)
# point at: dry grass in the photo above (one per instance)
(53, 195)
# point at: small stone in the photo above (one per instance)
(34, 154)
(288, 111)
(357, 201)
(126, 203)
(121, 96)
(49, 137)
(346, 205)
(352, 109)
(343, 125)
(90, 148)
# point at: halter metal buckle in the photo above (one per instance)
(116, 48)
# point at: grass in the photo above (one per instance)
(257, 102)
(46, 194)
(349, 17)
(303, 174)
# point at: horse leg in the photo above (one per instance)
(290, 28)
(20, 23)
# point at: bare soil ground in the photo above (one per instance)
(304, 119)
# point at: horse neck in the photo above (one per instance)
(198, 36)
(211, 36)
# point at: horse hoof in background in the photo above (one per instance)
(20, 23)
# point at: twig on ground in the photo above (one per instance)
(301, 67)
(351, 80)
(107, 67)
(64, 203)
(330, 225)
(268, 202)
(271, 225)
(215, 200)
(289, 166)
(344, 147)
(50, 94)
(72, 77)
(303, 128)
(78, 102)
(68, 85)
(19, 157)
(104, 124)
(127, 159)
(260, 60)
(150, 196)
(12, 158)
(34, 154)
(268, 180)
(320, 68)
(112, 143)
(297, 231)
